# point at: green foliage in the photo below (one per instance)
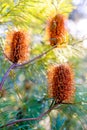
(57, 123)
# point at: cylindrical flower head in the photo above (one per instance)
(16, 48)
(56, 30)
(61, 83)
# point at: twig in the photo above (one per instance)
(35, 58)
(30, 119)
(13, 66)
(39, 117)
(5, 75)
(43, 54)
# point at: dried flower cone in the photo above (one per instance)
(56, 31)
(61, 83)
(16, 48)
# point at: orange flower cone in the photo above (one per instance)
(61, 83)
(56, 31)
(16, 48)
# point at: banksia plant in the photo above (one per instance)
(61, 83)
(56, 30)
(16, 48)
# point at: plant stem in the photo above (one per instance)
(13, 66)
(5, 75)
(35, 58)
(30, 119)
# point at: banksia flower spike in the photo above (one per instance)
(16, 48)
(61, 83)
(56, 31)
